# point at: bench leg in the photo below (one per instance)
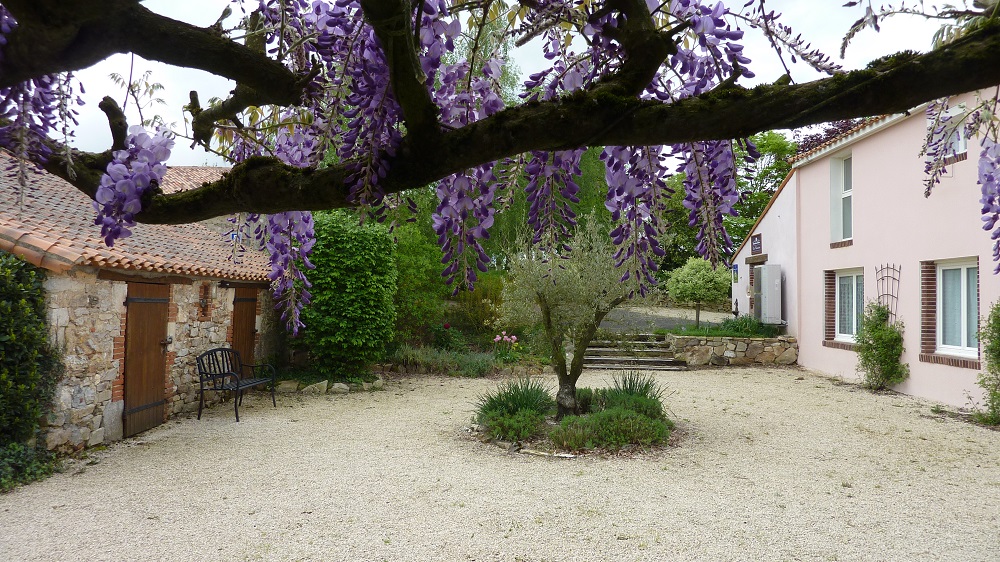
(201, 402)
(236, 404)
(275, 403)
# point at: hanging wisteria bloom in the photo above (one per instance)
(131, 175)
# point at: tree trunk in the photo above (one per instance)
(697, 315)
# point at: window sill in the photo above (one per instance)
(841, 244)
(835, 344)
(950, 360)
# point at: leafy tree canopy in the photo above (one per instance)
(378, 85)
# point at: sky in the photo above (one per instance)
(823, 22)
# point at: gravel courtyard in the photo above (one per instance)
(768, 467)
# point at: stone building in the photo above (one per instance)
(130, 320)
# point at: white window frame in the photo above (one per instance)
(957, 143)
(856, 300)
(964, 350)
(841, 188)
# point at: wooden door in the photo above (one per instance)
(245, 323)
(145, 351)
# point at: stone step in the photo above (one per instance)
(632, 362)
(630, 344)
(621, 367)
(639, 352)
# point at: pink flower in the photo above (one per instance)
(513, 339)
(496, 339)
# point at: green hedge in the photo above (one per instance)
(28, 365)
(351, 317)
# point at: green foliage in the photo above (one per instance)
(29, 367)
(879, 344)
(741, 327)
(634, 383)
(521, 425)
(351, 317)
(444, 337)
(758, 181)
(697, 282)
(420, 290)
(512, 396)
(21, 464)
(586, 399)
(461, 363)
(475, 312)
(989, 378)
(612, 428)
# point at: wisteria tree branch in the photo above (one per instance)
(602, 115)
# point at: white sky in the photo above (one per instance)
(823, 22)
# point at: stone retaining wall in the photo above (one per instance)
(782, 350)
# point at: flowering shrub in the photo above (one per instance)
(505, 348)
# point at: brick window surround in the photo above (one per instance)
(928, 322)
(830, 313)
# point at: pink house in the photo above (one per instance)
(850, 224)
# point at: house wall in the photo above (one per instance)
(893, 223)
(87, 318)
(778, 241)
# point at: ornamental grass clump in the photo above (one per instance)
(516, 410)
(989, 378)
(879, 345)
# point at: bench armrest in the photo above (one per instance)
(266, 369)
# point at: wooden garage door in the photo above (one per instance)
(145, 350)
(245, 322)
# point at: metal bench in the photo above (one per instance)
(221, 369)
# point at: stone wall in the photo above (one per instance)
(782, 350)
(87, 319)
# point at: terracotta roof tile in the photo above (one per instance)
(183, 178)
(55, 230)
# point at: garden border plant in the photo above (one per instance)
(879, 345)
(989, 377)
(29, 370)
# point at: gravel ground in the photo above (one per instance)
(770, 465)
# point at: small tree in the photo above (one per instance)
(879, 344)
(698, 283)
(572, 293)
(351, 317)
(989, 379)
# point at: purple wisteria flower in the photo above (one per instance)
(133, 173)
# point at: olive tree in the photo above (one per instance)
(569, 293)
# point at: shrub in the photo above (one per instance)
(475, 312)
(510, 397)
(420, 291)
(443, 336)
(29, 367)
(351, 317)
(523, 424)
(613, 428)
(989, 378)
(649, 407)
(585, 399)
(462, 363)
(879, 344)
(747, 326)
(21, 464)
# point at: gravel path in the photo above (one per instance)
(649, 318)
(768, 467)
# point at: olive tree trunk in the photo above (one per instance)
(568, 374)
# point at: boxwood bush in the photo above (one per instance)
(351, 317)
(29, 369)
